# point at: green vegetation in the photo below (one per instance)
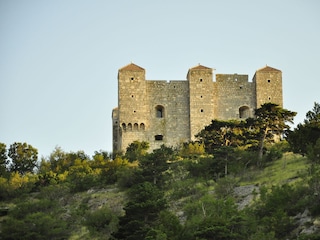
(217, 188)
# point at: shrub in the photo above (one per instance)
(102, 221)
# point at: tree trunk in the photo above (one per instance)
(261, 145)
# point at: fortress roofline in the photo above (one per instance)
(132, 67)
(268, 69)
(199, 67)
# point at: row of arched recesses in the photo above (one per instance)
(134, 127)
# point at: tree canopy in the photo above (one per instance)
(23, 156)
(305, 136)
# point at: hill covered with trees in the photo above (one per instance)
(252, 179)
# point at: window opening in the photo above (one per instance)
(244, 112)
(142, 126)
(129, 126)
(159, 111)
(135, 127)
(132, 78)
(269, 80)
(201, 110)
(124, 126)
(158, 137)
(200, 79)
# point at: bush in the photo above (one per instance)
(34, 226)
(225, 186)
(102, 221)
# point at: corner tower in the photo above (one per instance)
(132, 104)
(200, 98)
(268, 86)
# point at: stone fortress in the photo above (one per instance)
(161, 112)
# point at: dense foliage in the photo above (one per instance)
(185, 193)
(304, 139)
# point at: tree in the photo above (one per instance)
(36, 220)
(230, 133)
(3, 159)
(192, 149)
(270, 120)
(211, 218)
(306, 134)
(61, 161)
(145, 203)
(154, 164)
(23, 157)
(136, 150)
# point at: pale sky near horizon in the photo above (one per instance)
(59, 59)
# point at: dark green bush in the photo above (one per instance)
(102, 221)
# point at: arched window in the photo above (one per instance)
(129, 127)
(159, 111)
(124, 126)
(142, 126)
(244, 112)
(135, 127)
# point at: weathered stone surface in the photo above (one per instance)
(173, 112)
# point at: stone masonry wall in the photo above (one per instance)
(174, 124)
(173, 112)
(233, 91)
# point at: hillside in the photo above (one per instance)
(277, 198)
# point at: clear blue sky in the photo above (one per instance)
(59, 59)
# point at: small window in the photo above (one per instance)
(135, 127)
(124, 126)
(132, 96)
(201, 110)
(240, 87)
(129, 126)
(159, 111)
(244, 112)
(158, 137)
(132, 78)
(200, 79)
(201, 96)
(269, 80)
(142, 126)
(134, 111)
(269, 98)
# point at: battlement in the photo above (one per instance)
(232, 78)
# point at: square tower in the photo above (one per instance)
(268, 86)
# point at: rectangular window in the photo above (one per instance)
(158, 137)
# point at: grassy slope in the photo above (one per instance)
(288, 168)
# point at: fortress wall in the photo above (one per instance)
(170, 113)
(232, 92)
(173, 125)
